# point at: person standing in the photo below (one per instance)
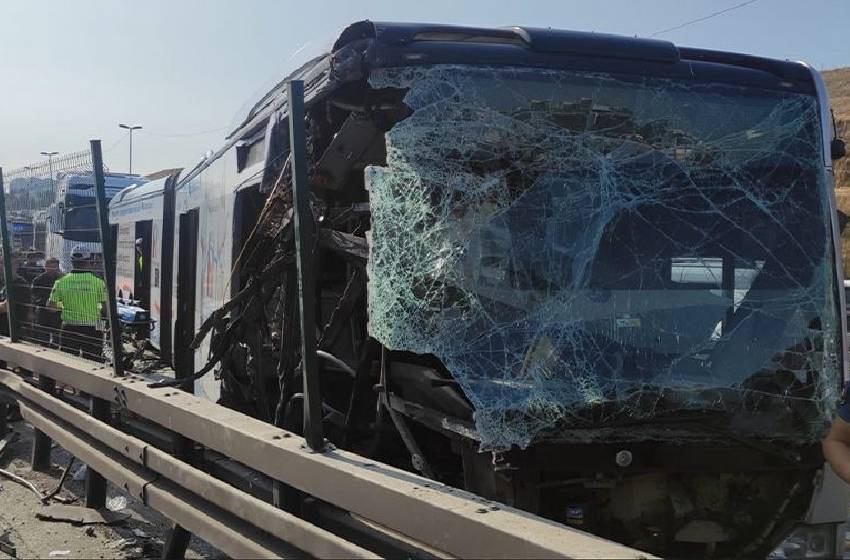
(21, 298)
(80, 295)
(47, 319)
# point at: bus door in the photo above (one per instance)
(113, 246)
(142, 263)
(187, 263)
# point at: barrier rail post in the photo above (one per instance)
(11, 312)
(304, 247)
(41, 442)
(106, 242)
(179, 537)
(95, 482)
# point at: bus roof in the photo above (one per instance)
(112, 180)
(476, 40)
(367, 45)
(137, 192)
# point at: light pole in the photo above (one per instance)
(131, 128)
(23, 212)
(49, 156)
(30, 168)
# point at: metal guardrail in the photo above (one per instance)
(440, 517)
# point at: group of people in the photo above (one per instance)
(60, 309)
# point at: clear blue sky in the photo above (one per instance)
(71, 70)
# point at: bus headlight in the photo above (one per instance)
(811, 541)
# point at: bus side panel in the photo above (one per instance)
(124, 254)
(214, 255)
(203, 193)
(156, 281)
(175, 268)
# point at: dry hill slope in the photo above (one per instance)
(838, 84)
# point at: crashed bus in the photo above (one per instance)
(590, 276)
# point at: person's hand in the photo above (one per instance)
(836, 448)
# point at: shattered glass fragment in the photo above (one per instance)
(584, 250)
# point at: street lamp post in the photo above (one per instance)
(49, 156)
(31, 169)
(23, 212)
(131, 128)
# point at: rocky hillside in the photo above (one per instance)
(838, 84)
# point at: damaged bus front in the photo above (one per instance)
(603, 282)
(631, 271)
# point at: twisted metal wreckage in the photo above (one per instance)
(565, 271)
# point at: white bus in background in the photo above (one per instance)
(72, 216)
(143, 234)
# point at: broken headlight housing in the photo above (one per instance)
(812, 541)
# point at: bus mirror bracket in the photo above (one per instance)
(837, 148)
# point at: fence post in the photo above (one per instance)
(304, 248)
(100, 408)
(11, 312)
(108, 266)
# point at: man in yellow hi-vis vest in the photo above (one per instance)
(80, 295)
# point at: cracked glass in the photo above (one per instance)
(585, 250)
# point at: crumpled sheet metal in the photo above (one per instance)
(581, 249)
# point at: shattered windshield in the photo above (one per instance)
(580, 249)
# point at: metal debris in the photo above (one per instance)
(79, 515)
(119, 544)
(6, 545)
(53, 493)
(7, 439)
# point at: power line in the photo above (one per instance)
(182, 134)
(115, 144)
(703, 18)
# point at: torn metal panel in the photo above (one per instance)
(79, 515)
(359, 141)
(585, 249)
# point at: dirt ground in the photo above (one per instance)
(142, 536)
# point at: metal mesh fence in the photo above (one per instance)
(56, 295)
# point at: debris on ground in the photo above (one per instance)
(116, 503)
(80, 474)
(131, 546)
(121, 543)
(27, 536)
(53, 494)
(7, 439)
(58, 553)
(79, 515)
(6, 545)
(22, 481)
